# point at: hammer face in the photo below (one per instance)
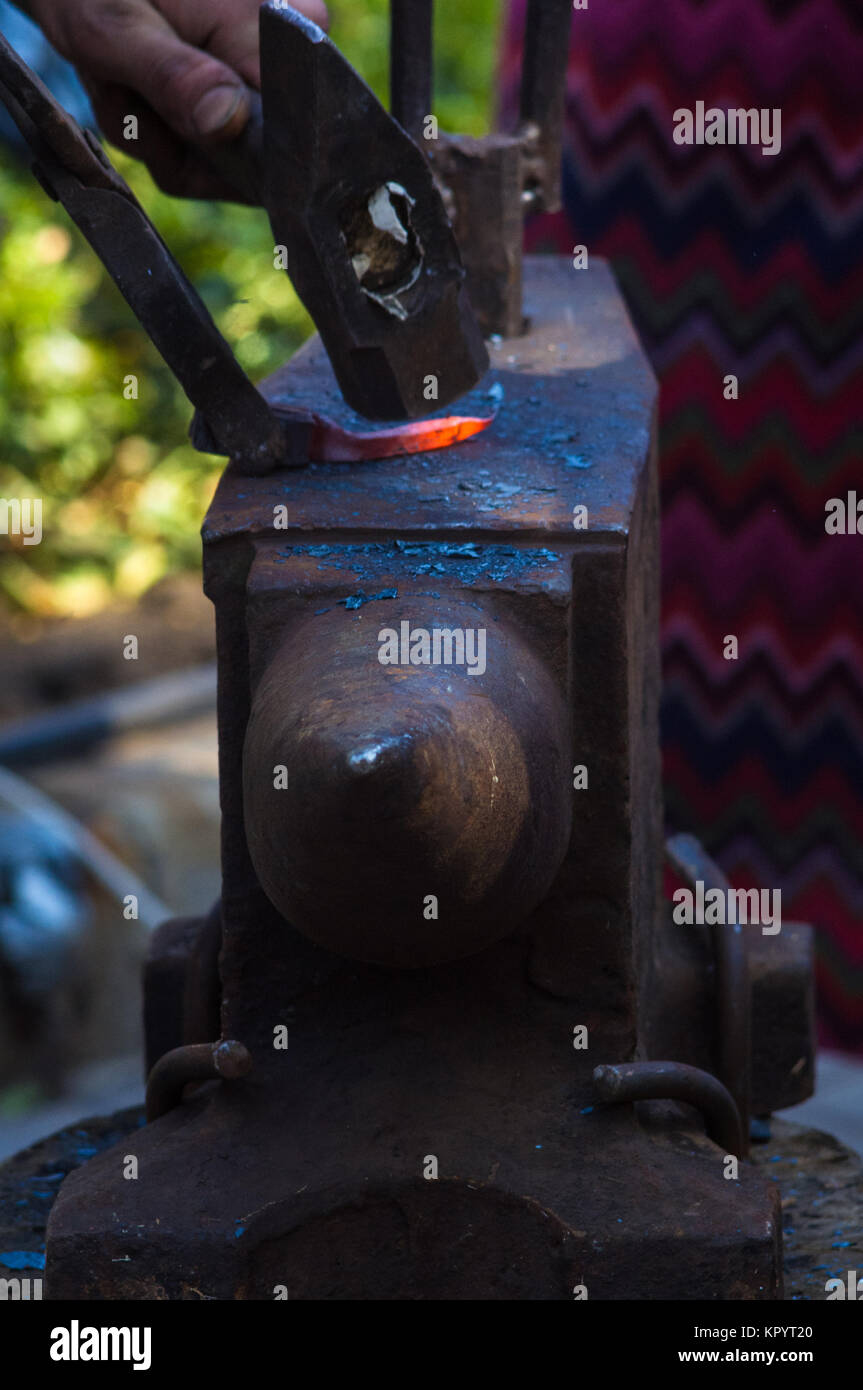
(370, 249)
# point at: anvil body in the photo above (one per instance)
(311, 1177)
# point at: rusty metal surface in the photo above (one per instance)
(733, 994)
(685, 1021)
(289, 1180)
(639, 1081)
(783, 1017)
(483, 182)
(182, 990)
(819, 1179)
(223, 1060)
(490, 183)
(575, 398)
(165, 972)
(764, 998)
(311, 1171)
(438, 780)
(312, 1167)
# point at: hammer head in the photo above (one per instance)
(370, 249)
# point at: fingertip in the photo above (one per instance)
(222, 112)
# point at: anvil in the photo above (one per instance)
(441, 912)
(440, 1038)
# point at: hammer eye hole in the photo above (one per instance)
(383, 247)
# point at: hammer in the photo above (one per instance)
(369, 246)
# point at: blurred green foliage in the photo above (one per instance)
(123, 492)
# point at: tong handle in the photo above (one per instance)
(74, 169)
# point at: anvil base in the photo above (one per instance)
(307, 1178)
(638, 1216)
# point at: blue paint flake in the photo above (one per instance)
(22, 1259)
(357, 600)
(464, 561)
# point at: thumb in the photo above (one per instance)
(132, 45)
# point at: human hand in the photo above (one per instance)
(183, 67)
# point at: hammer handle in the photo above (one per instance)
(240, 162)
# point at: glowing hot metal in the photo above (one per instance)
(330, 443)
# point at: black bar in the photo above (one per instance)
(159, 1335)
(411, 62)
(543, 94)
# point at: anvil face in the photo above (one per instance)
(440, 878)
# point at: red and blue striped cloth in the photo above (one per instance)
(736, 262)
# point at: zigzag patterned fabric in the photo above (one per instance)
(738, 262)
